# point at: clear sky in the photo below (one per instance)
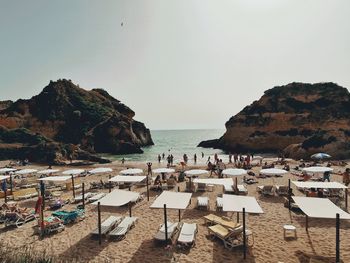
(177, 64)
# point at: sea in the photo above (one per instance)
(177, 143)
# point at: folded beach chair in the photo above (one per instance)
(172, 229)
(230, 237)
(107, 225)
(187, 236)
(281, 190)
(123, 228)
(96, 197)
(219, 203)
(265, 189)
(203, 202)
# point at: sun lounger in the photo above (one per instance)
(229, 189)
(51, 224)
(70, 216)
(187, 236)
(172, 229)
(18, 219)
(242, 189)
(203, 202)
(214, 219)
(219, 203)
(265, 189)
(123, 228)
(79, 198)
(230, 237)
(96, 197)
(107, 225)
(25, 193)
(281, 190)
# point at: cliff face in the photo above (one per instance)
(91, 120)
(298, 118)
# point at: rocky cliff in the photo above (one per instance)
(299, 119)
(65, 114)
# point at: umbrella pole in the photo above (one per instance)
(5, 194)
(236, 185)
(11, 184)
(190, 184)
(289, 197)
(165, 224)
(73, 186)
(83, 193)
(99, 223)
(337, 240)
(109, 184)
(130, 209)
(244, 237)
(42, 192)
(147, 185)
(346, 199)
(237, 217)
(307, 223)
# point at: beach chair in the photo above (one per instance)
(202, 187)
(203, 202)
(123, 228)
(187, 236)
(230, 237)
(107, 225)
(172, 229)
(242, 189)
(96, 197)
(17, 219)
(265, 189)
(224, 221)
(79, 198)
(70, 216)
(229, 189)
(51, 225)
(281, 190)
(219, 203)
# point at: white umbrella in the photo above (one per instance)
(163, 170)
(48, 171)
(26, 171)
(195, 172)
(6, 170)
(317, 169)
(100, 170)
(131, 171)
(73, 171)
(273, 171)
(320, 156)
(234, 172)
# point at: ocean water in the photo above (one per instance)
(176, 142)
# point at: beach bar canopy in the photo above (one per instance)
(48, 171)
(319, 207)
(317, 169)
(118, 198)
(214, 181)
(236, 203)
(127, 179)
(55, 178)
(26, 171)
(324, 185)
(131, 171)
(7, 170)
(100, 170)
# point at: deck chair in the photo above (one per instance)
(224, 221)
(187, 236)
(123, 228)
(96, 197)
(202, 187)
(265, 189)
(18, 219)
(203, 202)
(230, 237)
(79, 198)
(281, 190)
(172, 229)
(107, 225)
(219, 203)
(242, 189)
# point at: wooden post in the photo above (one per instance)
(99, 223)
(337, 240)
(42, 193)
(190, 184)
(83, 194)
(165, 224)
(346, 199)
(11, 183)
(289, 194)
(109, 184)
(147, 185)
(307, 223)
(130, 188)
(237, 217)
(42, 217)
(244, 237)
(236, 185)
(73, 186)
(5, 194)
(130, 209)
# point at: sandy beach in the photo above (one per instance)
(75, 243)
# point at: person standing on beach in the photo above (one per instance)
(185, 158)
(230, 158)
(159, 158)
(168, 160)
(216, 158)
(208, 161)
(235, 158)
(346, 176)
(149, 168)
(195, 158)
(171, 159)
(123, 160)
(202, 154)
(221, 167)
(163, 155)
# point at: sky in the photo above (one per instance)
(184, 64)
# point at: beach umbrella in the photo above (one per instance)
(317, 169)
(26, 171)
(320, 156)
(100, 170)
(195, 172)
(131, 171)
(73, 171)
(48, 171)
(273, 171)
(234, 172)
(163, 170)
(7, 170)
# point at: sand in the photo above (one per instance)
(75, 243)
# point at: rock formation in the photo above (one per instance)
(64, 116)
(298, 119)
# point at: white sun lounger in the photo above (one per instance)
(107, 225)
(122, 229)
(95, 198)
(219, 203)
(172, 228)
(187, 236)
(203, 202)
(79, 198)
